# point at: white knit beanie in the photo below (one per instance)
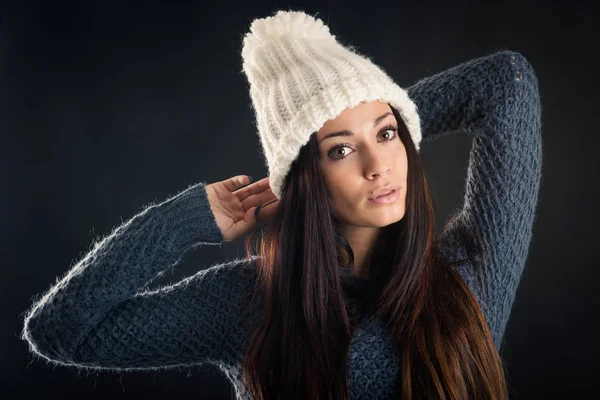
(300, 77)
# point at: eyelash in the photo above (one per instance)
(384, 129)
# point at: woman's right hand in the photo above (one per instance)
(234, 208)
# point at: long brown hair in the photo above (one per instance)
(301, 346)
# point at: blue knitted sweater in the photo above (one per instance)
(101, 315)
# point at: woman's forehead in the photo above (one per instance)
(355, 118)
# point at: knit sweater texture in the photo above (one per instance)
(101, 315)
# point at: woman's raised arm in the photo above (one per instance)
(101, 315)
(495, 99)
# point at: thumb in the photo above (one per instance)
(265, 212)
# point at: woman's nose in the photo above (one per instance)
(377, 165)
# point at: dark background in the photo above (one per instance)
(108, 106)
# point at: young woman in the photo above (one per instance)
(351, 292)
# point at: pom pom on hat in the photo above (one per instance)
(300, 77)
(296, 23)
(272, 28)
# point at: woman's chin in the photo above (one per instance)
(385, 217)
(383, 220)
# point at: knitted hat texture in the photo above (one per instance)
(300, 77)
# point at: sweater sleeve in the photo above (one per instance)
(101, 315)
(494, 98)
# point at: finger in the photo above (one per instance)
(260, 198)
(266, 212)
(253, 189)
(236, 182)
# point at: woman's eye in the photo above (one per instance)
(338, 152)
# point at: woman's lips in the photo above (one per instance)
(387, 199)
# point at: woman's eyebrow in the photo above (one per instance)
(346, 132)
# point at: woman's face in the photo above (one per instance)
(366, 159)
